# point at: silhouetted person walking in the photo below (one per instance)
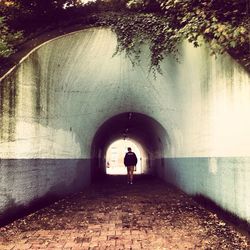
(130, 161)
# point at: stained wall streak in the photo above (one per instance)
(8, 98)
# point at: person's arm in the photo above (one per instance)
(135, 159)
(135, 162)
(125, 160)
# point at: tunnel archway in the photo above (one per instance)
(132, 125)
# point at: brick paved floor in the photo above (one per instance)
(114, 215)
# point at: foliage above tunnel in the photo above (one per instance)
(8, 39)
(224, 24)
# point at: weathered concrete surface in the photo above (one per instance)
(54, 102)
(113, 215)
(223, 180)
(36, 182)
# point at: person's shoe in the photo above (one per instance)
(131, 182)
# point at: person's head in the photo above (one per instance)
(129, 149)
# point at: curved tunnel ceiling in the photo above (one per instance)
(139, 127)
(68, 87)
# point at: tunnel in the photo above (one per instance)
(69, 98)
(138, 127)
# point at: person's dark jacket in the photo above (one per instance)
(130, 159)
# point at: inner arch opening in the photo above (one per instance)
(136, 127)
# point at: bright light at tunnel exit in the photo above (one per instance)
(115, 155)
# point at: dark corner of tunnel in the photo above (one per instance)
(14, 211)
(223, 214)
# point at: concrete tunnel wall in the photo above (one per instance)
(56, 100)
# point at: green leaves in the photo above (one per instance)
(7, 39)
(220, 25)
(215, 20)
(134, 29)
